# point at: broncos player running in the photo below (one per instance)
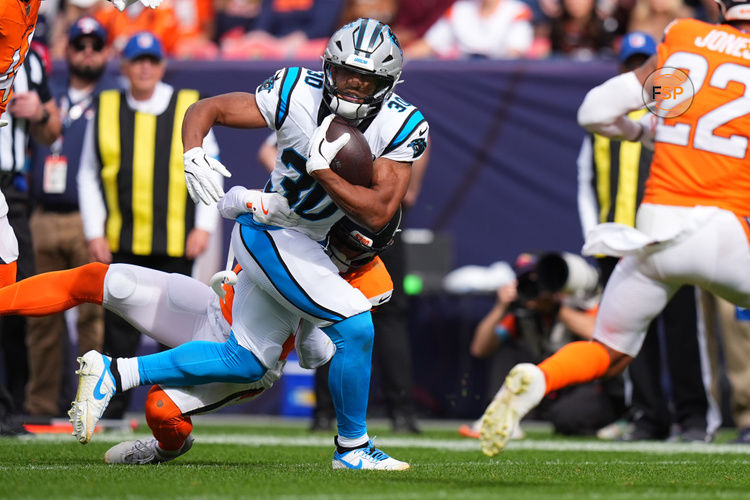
(278, 245)
(174, 309)
(693, 225)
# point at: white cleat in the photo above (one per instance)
(523, 389)
(144, 452)
(96, 386)
(367, 458)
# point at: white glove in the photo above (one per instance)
(322, 152)
(124, 4)
(267, 208)
(200, 183)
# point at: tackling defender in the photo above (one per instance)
(693, 225)
(174, 309)
(279, 252)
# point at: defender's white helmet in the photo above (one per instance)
(367, 47)
(735, 10)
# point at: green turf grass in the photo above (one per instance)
(262, 461)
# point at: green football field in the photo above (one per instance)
(272, 459)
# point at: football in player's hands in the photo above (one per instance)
(354, 161)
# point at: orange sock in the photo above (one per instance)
(169, 426)
(8, 273)
(575, 363)
(54, 292)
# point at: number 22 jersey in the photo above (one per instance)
(701, 156)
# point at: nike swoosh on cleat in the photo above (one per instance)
(358, 466)
(97, 389)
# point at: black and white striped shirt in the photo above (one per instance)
(14, 138)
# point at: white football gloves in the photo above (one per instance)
(200, 183)
(267, 208)
(124, 4)
(322, 152)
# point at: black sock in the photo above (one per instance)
(116, 375)
(342, 449)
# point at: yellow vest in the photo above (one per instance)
(620, 172)
(142, 173)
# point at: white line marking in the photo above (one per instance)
(429, 443)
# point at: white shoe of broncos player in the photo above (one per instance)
(523, 389)
(96, 386)
(366, 458)
(144, 452)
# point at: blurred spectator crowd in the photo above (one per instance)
(446, 29)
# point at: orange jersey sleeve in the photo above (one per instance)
(16, 30)
(701, 156)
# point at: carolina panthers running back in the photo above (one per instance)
(294, 101)
(277, 237)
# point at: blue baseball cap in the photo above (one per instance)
(143, 44)
(87, 26)
(634, 43)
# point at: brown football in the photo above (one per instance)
(354, 161)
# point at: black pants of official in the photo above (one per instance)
(671, 347)
(121, 339)
(13, 328)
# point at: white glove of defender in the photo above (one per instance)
(271, 209)
(124, 4)
(200, 184)
(322, 152)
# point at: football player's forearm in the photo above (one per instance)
(235, 109)
(604, 108)
(366, 206)
(199, 118)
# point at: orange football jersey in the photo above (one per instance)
(16, 29)
(701, 157)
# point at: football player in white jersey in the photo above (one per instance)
(277, 242)
(175, 309)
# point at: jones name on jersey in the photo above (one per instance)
(291, 103)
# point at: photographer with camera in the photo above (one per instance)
(552, 302)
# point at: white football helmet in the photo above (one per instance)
(734, 10)
(368, 48)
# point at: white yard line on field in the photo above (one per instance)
(437, 444)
